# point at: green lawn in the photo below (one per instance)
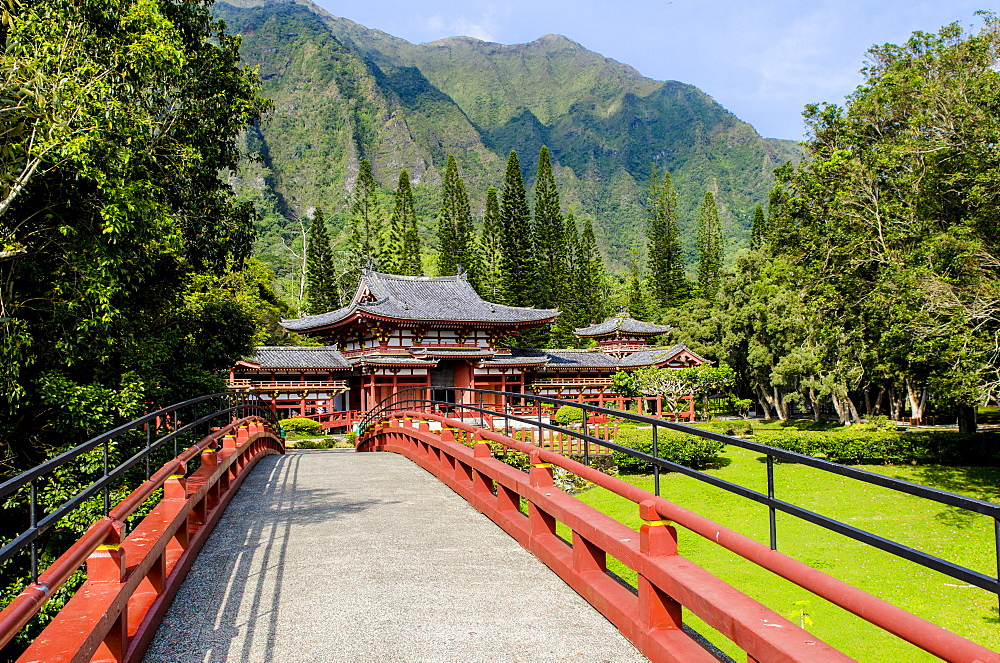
(947, 532)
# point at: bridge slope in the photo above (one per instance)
(336, 556)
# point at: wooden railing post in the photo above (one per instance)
(657, 538)
(540, 476)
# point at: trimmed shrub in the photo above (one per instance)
(567, 414)
(855, 445)
(301, 426)
(688, 450)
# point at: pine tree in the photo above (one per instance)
(517, 244)
(666, 258)
(550, 249)
(490, 285)
(710, 249)
(367, 218)
(572, 314)
(636, 297)
(591, 277)
(321, 278)
(758, 228)
(401, 249)
(456, 234)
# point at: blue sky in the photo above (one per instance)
(763, 61)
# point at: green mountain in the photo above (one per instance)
(342, 92)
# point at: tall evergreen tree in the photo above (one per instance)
(517, 245)
(666, 258)
(710, 249)
(367, 218)
(398, 249)
(490, 284)
(758, 228)
(571, 306)
(637, 307)
(456, 233)
(550, 249)
(322, 292)
(591, 276)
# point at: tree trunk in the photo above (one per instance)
(868, 402)
(967, 419)
(780, 406)
(917, 403)
(895, 404)
(852, 411)
(762, 400)
(814, 403)
(878, 402)
(839, 407)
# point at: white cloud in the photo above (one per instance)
(482, 28)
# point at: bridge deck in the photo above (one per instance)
(339, 556)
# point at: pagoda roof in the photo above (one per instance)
(434, 299)
(281, 356)
(622, 324)
(655, 357)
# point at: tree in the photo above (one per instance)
(456, 234)
(411, 263)
(667, 283)
(758, 228)
(893, 217)
(517, 247)
(321, 277)
(550, 248)
(637, 307)
(491, 278)
(572, 307)
(591, 277)
(710, 249)
(366, 224)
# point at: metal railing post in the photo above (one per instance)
(772, 525)
(586, 441)
(33, 520)
(656, 455)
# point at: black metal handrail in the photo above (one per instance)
(229, 404)
(989, 583)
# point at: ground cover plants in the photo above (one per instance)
(953, 534)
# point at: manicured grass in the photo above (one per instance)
(953, 534)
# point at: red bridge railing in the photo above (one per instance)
(667, 582)
(131, 579)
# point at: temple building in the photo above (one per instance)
(439, 334)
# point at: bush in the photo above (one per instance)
(568, 414)
(301, 426)
(683, 449)
(856, 445)
(351, 438)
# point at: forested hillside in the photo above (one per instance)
(343, 92)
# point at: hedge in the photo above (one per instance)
(681, 448)
(301, 426)
(856, 446)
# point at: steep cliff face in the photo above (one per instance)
(343, 92)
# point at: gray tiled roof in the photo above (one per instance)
(453, 352)
(624, 324)
(654, 356)
(391, 360)
(438, 298)
(518, 357)
(276, 356)
(580, 359)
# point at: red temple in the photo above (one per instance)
(438, 333)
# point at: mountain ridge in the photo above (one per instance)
(343, 91)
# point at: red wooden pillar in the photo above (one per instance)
(657, 538)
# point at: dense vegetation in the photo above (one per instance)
(873, 280)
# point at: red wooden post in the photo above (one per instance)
(657, 538)
(540, 476)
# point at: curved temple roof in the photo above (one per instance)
(421, 298)
(623, 324)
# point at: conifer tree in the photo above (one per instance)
(367, 218)
(636, 297)
(590, 277)
(456, 234)
(490, 284)
(548, 230)
(517, 244)
(758, 228)
(401, 248)
(321, 278)
(666, 259)
(710, 249)
(572, 314)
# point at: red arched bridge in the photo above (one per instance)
(156, 487)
